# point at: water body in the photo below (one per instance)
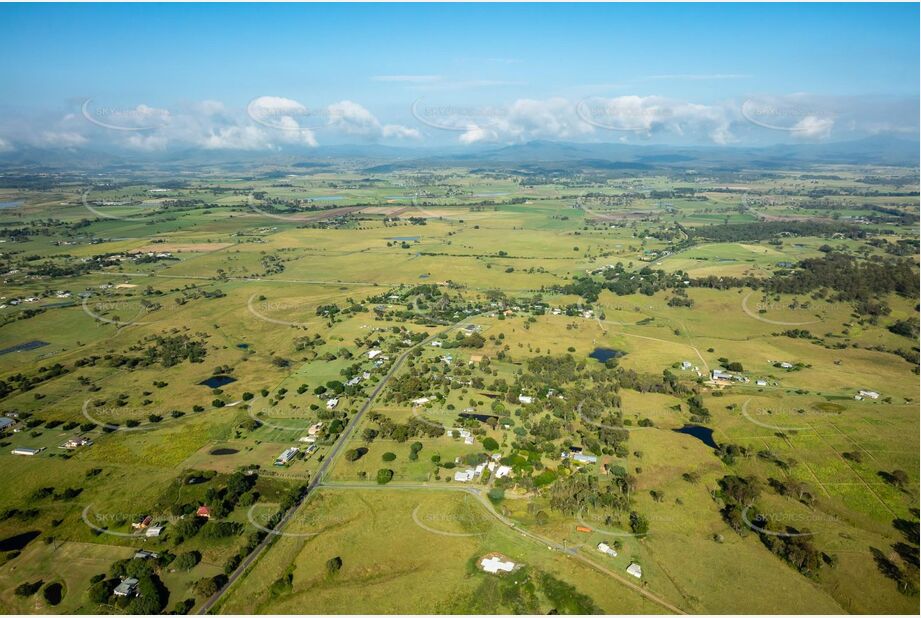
(243, 346)
(326, 198)
(19, 541)
(53, 593)
(217, 381)
(489, 194)
(704, 434)
(404, 238)
(10, 204)
(480, 417)
(24, 347)
(223, 451)
(603, 355)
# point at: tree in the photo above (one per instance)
(27, 589)
(152, 596)
(638, 524)
(355, 454)
(388, 456)
(490, 444)
(187, 561)
(384, 476)
(333, 565)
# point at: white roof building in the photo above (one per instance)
(869, 394)
(525, 399)
(635, 570)
(463, 476)
(332, 403)
(503, 471)
(495, 564)
(604, 548)
(373, 353)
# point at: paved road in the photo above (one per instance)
(328, 461)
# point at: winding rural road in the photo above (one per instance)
(537, 538)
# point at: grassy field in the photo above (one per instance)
(289, 306)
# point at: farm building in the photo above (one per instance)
(5, 422)
(635, 570)
(77, 442)
(581, 458)
(464, 476)
(142, 522)
(26, 451)
(154, 531)
(127, 588)
(604, 548)
(525, 399)
(332, 403)
(868, 394)
(286, 456)
(143, 554)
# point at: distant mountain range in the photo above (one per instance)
(880, 150)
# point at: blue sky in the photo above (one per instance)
(189, 74)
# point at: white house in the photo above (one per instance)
(421, 401)
(604, 548)
(463, 476)
(525, 399)
(635, 570)
(869, 394)
(761, 382)
(373, 353)
(332, 403)
(503, 471)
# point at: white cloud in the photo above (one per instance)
(5, 145)
(813, 127)
(655, 116)
(236, 138)
(475, 134)
(287, 116)
(61, 139)
(353, 119)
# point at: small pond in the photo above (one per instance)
(704, 434)
(483, 418)
(603, 355)
(19, 541)
(53, 593)
(24, 347)
(223, 451)
(217, 381)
